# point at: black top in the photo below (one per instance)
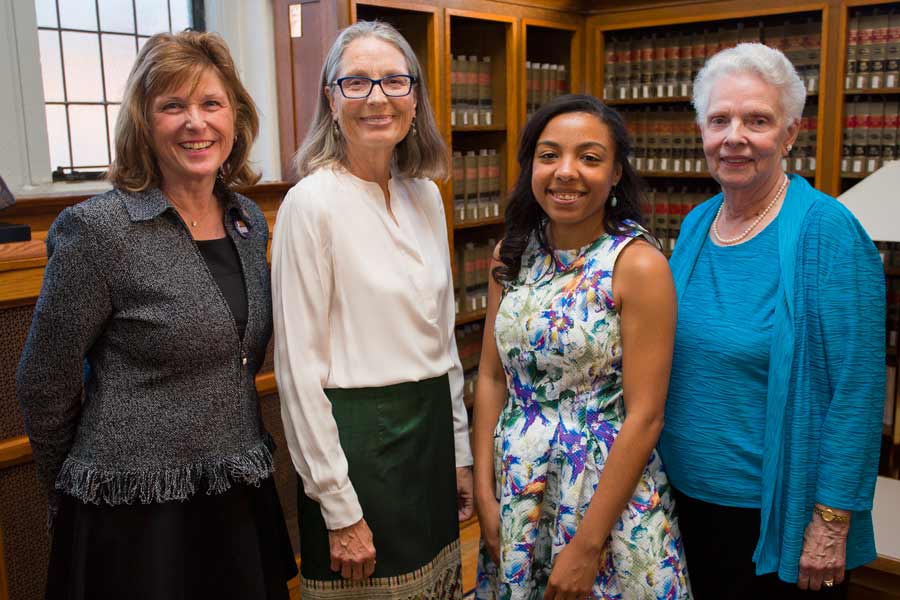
(222, 260)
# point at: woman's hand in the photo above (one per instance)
(465, 496)
(352, 551)
(824, 553)
(574, 572)
(489, 522)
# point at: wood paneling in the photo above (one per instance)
(298, 65)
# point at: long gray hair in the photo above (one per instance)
(423, 154)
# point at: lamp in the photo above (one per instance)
(875, 201)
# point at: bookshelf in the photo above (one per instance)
(552, 65)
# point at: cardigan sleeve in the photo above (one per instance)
(850, 301)
(302, 287)
(70, 314)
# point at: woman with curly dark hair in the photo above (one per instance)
(581, 308)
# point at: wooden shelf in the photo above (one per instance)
(872, 92)
(478, 128)
(673, 175)
(478, 223)
(639, 101)
(464, 318)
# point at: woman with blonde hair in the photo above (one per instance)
(162, 473)
(365, 354)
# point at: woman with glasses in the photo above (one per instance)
(365, 356)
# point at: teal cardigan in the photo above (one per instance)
(826, 373)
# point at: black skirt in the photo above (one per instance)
(230, 545)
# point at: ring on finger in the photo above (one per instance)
(829, 582)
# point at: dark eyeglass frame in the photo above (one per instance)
(373, 82)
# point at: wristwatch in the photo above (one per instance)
(829, 516)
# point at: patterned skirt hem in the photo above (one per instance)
(440, 579)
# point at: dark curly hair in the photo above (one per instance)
(525, 216)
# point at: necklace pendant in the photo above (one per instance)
(193, 223)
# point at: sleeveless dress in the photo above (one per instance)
(557, 332)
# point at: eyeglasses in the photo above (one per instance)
(357, 87)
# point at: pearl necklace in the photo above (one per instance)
(747, 231)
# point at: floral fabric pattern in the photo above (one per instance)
(557, 332)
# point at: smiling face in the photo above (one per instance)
(573, 171)
(193, 131)
(746, 133)
(378, 123)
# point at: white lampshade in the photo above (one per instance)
(875, 201)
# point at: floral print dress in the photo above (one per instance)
(557, 332)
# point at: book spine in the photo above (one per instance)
(874, 130)
(879, 51)
(484, 85)
(484, 187)
(610, 70)
(471, 168)
(889, 137)
(848, 136)
(459, 188)
(860, 134)
(864, 51)
(852, 52)
(892, 58)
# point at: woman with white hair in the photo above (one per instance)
(773, 418)
(365, 354)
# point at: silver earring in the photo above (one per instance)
(789, 148)
(412, 128)
(613, 201)
(335, 130)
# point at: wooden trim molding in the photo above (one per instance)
(14, 451)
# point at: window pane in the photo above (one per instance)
(77, 14)
(113, 111)
(118, 56)
(81, 53)
(57, 136)
(51, 66)
(117, 15)
(88, 148)
(141, 42)
(46, 12)
(181, 14)
(152, 16)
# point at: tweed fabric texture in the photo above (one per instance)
(14, 323)
(170, 404)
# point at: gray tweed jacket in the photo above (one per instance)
(170, 405)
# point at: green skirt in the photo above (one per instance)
(399, 445)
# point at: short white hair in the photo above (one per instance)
(767, 63)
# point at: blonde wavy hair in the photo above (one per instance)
(166, 62)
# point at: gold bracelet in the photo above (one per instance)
(829, 516)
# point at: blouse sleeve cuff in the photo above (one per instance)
(340, 508)
(463, 451)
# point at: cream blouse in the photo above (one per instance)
(359, 300)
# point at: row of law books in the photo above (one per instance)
(665, 208)
(468, 344)
(471, 103)
(665, 63)
(543, 82)
(472, 272)
(873, 49)
(871, 136)
(667, 140)
(476, 185)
